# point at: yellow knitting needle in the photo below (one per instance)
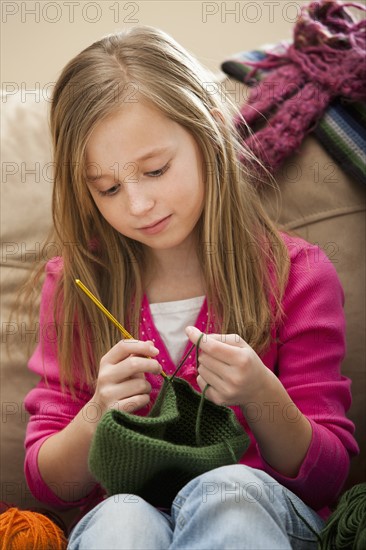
(107, 313)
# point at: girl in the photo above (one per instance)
(153, 212)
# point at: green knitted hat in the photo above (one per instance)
(154, 456)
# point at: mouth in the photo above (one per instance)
(157, 226)
(152, 224)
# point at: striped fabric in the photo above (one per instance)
(341, 130)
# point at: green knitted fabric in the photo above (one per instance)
(346, 527)
(154, 456)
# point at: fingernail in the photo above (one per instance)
(190, 330)
(154, 349)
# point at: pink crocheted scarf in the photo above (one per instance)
(326, 60)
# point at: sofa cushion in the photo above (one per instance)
(25, 221)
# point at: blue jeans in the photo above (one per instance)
(233, 507)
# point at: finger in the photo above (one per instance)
(135, 365)
(220, 350)
(211, 393)
(113, 393)
(134, 386)
(212, 364)
(124, 348)
(230, 339)
(132, 404)
(211, 377)
(132, 367)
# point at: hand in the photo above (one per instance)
(121, 383)
(233, 370)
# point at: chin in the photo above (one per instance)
(166, 243)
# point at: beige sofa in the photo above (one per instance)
(329, 211)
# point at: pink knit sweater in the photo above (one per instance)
(306, 355)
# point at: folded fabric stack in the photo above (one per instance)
(283, 74)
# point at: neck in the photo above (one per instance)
(178, 261)
(173, 274)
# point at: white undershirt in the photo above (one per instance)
(171, 318)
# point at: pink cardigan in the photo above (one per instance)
(306, 355)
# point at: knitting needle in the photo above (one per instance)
(107, 313)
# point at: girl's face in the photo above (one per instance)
(145, 174)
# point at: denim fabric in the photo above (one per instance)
(233, 507)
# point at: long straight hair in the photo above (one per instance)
(243, 258)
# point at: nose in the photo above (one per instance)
(139, 200)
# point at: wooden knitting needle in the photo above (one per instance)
(107, 313)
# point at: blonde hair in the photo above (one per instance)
(243, 257)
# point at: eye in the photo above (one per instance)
(109, 192)
(158, 173)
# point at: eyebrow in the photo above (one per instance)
(149, 154)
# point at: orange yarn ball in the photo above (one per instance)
(24, 530)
